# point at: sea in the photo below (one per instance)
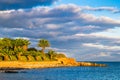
(110, 72)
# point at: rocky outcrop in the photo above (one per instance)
(90, 64)
(73, 62)
(67, 61)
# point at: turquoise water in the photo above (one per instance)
(112, 72)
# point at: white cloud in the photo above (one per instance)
(102, 54)
(96, 56)
(100, 46)
(7, 11)
(40, 16)
(52, 26)
(56, 49)
(107, 34)
(88, 27)
(112, 9)
(110, 33)
(67, 26)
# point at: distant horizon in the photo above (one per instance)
(82, 29)
(98, 61)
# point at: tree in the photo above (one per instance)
(1, 44)
(51, 54)
(19, 46)
(43, 44)
(21, 43)
(7, 43)
(32, 49)
(6, 53)
(25, 44)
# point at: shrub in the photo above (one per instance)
(38, 58)
(13, 58)
(60, 56)
(1, 58)
(32, 49)
(30, 58)
(44, 57)
(23, 58)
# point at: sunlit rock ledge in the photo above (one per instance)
(62, 62)
(73, 62)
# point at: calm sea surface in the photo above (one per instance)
(112, 72)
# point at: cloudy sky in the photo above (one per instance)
(88, 30)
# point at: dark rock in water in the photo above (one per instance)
(11, 71)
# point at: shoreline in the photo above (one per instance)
(19, 65)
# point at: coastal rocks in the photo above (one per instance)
(11, 71)
(90, 64)
(73, 62)
(67, 61)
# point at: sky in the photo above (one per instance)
(87, 30)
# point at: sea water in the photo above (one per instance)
(111, 72)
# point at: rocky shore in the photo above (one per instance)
(63, 62)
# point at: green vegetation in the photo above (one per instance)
(43, 43)
(17, 50)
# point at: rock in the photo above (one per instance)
(11, 71)
(67, 61)
(91, 64)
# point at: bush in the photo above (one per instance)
(32, 49)
(38, 58)
(32, 53)
(1, 58)
(13, 58)
(23, 58)
(44, 57)
(30, 58)
(60, 56)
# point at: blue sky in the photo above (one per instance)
(93, 3)
(87, 30)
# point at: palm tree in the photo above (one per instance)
(20, 46)
(51, 54)
(25, 44)
(6, 53)
(43, 43)
(7, 43)
(1, 44)
(21, 43)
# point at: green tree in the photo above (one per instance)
(1, 44)
(32, 49)
(6, 53)
(20, 46)
(43, 43)
(25, 44)
(51, 54)
(6, 43)
(21, 43)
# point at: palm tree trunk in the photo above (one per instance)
(19, 56)
(25, 48)
(43, 50)
(6, 57)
